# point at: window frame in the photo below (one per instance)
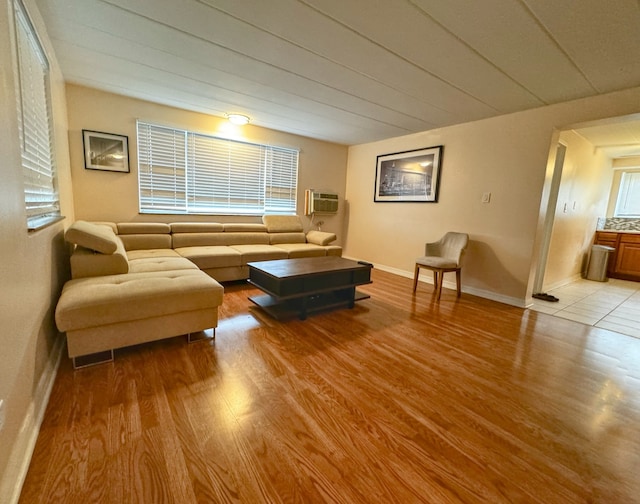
(35, 122)
(193, 170)
(629, 181)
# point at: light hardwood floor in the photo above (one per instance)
(399, 400)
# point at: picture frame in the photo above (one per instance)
(105, 151)
(410, 176)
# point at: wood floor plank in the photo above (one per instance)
(400, 399)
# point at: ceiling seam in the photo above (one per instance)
(412, 63)
(357, 114)
(557, 44)
(315, 53)
(291, 72)
(478, 53)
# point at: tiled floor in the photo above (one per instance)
(613, 305)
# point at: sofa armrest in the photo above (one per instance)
(320, 237)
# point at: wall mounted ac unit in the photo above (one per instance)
(320, 202)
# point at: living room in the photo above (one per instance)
(510, 156)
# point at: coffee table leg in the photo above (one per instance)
(303, 309)
(352, 297)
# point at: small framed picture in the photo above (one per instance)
(105, 151)
(410, 176)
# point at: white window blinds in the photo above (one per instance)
(628, 202)
(34, 120)
(185, 172)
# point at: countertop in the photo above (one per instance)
(619, 231)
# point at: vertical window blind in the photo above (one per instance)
(34, 120)
(628, 202)
(181, 171)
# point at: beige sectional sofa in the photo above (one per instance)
(137, 282)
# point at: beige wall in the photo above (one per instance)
(32, 270)
(582, 198)
(508, 156)
(114, 196)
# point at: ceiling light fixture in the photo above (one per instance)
(238, 119)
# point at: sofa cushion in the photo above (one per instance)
(92, 236)
(149, 253)
(129, 228)
(181, 240)
(260, 253)
(146, 264)
(296, 250)
(146, 241)
(283, 223)
(320, 237)
(244, 227)
(276, 238)
(196, 227)
(333, 250)
(89, 263)
(212, 256)
(92, 302)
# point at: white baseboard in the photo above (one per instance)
(520, 303)
(20, 457)
(562, 283)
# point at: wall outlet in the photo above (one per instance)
(2, 414)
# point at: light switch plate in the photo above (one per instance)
(486, 197)
(2, 414)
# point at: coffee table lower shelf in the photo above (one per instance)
(300, 306)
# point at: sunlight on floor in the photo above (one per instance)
(612, 305)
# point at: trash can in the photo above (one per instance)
(598, 261)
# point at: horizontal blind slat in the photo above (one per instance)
(206, 174)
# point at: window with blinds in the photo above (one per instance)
(628, 202)
(34, 121)
(181, 171)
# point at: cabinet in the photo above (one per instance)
(628, 257)
(624, 263)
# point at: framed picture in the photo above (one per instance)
(105, 151)
(410, 176)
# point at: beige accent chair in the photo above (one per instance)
(441, 257)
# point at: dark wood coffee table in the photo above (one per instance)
(296, 287)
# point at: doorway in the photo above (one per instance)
(577, 193)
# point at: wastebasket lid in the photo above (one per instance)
(603, 247)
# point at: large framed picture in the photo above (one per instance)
(410, 176)
(105, 151)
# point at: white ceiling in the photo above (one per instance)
(617, 139)
(349, 71)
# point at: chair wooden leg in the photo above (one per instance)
(415, 277)
(458, 281)
(435, 280)
(439, 285)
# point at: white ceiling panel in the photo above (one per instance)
(349, 71)
(404, 30)
(602, 37)
(506, 34)
(124, 75)
(177, 51)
